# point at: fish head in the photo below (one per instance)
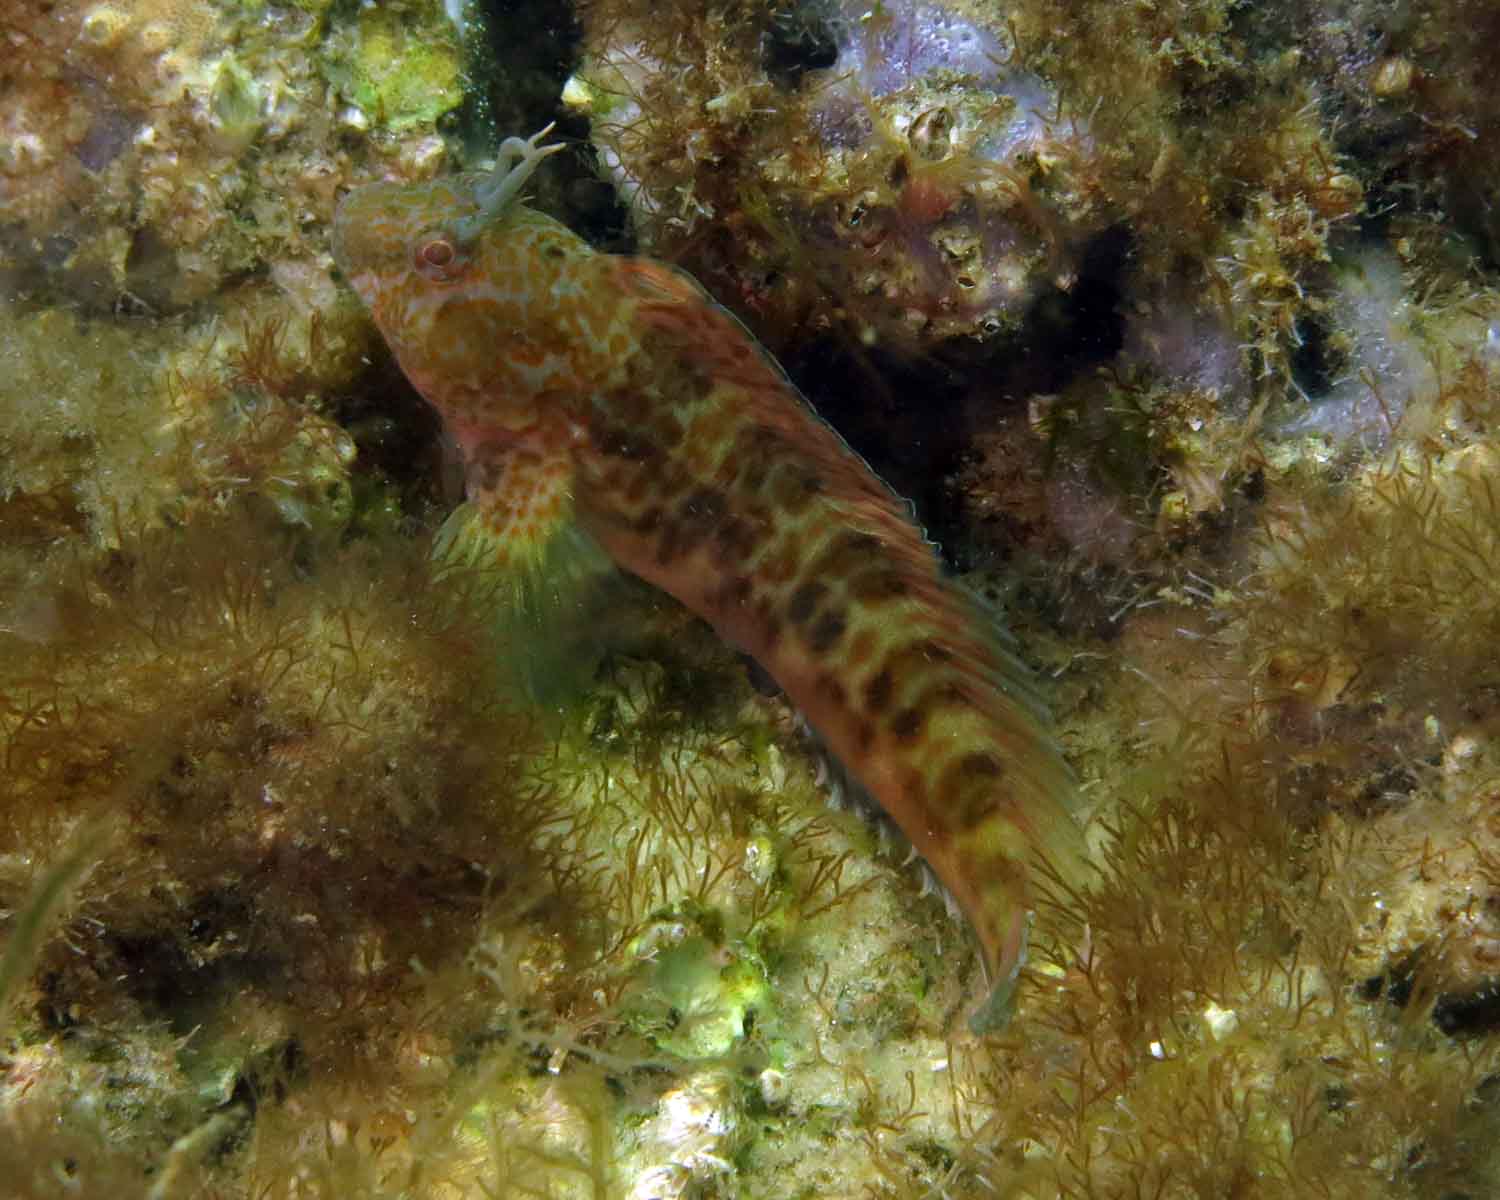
(390, 238)
(477, 295)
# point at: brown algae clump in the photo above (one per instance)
(896, 175)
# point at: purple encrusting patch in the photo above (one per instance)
(106, 139)
(909, 40)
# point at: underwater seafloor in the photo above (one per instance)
(1179, 323)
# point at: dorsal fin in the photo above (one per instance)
(673, 306)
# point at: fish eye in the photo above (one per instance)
(436, 257)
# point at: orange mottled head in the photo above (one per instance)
(491, 308)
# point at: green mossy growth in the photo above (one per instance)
(237, 104)
(404, 76)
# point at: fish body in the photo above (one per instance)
(611, 393)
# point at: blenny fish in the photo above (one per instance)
(612, 395)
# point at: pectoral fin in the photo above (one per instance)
(515, 540)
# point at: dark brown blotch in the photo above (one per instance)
(878, 692)
(879, 586)
(912, 662)
(907, 724)
(826, 632)
(692, 522)
(734, 541)
(760, 444)
(617, 442)
(752, 476)
(804, 601)
(793, 488)
(667, 430)
(935, 651)
(969, 787)
(670, 484)
(981, 764)
(703, 507)
(950, 693)
(632, 407)
(846, 556)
